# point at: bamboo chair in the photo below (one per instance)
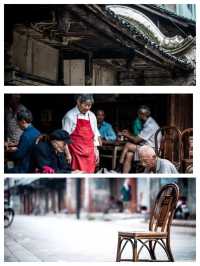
(187, 149)
(159, 228)
(170, 146)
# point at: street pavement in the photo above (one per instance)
(59, 238)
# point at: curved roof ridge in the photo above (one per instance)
(149, 43)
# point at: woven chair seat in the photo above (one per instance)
(144, 235)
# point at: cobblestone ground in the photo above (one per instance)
(62, 238)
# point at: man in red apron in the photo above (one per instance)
(81, 124)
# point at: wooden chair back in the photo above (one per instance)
(170, 146)
(187, 144)
(164, 208)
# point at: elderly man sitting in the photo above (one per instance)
(106, 131)
(145, 137)
(154, 164)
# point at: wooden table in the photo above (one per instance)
(111, 150)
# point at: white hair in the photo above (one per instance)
(85, 97)
(146, 150)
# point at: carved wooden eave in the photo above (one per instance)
(97, 32)
(121, 32)
(168, 47)
(145, 26)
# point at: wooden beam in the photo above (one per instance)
(120, 35)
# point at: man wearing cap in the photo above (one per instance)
(145, 137)
(49, 155)
(81, 124)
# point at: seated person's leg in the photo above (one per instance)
(128, 147)
(128, 162)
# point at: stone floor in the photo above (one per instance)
(63, 238)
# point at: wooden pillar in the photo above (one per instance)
(133, 205)
(60, 77)
(180, 111)
(88, 70)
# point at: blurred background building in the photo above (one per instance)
(40, 196)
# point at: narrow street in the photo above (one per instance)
(63, 238)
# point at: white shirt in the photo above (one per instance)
(148, 133)
(69, 122)
(163, 166)
(13, 130)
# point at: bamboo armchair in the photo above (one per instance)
(187, 149)
(159, 228)
(170, 146)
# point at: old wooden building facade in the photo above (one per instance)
(98, 45)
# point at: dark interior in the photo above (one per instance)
(120, 109)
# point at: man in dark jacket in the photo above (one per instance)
(49, 156)
(21, 154)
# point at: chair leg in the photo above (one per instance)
(152, 250)
(135, 258)
(114, 158)
(118, 258)
(169, 251)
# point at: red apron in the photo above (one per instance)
(82, 147)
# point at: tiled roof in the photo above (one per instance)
(136, 33)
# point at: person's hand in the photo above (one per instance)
(100, 140)
(68, 157)
(96, 151)
(78, 172)
(68, 154)
(47, 170)
(126, 133)
(13, 143)
(11, 149)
